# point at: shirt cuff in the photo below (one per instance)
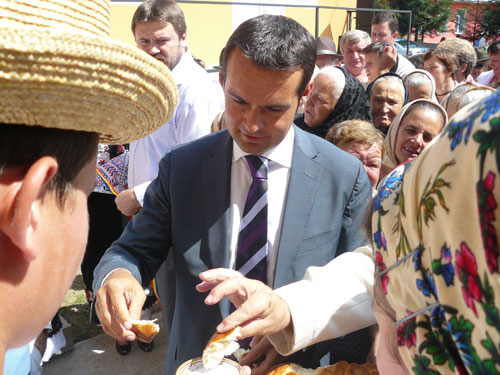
(140, 191)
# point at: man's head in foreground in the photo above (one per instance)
(267, 64)
(56, 112)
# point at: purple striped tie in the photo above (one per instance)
(251, 256)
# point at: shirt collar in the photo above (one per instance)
(181, 70)
(281, 153)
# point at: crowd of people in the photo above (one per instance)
(343, 200)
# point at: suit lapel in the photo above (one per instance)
(304, 181)
(216, 181)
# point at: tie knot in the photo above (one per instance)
(258, 166)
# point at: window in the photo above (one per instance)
(460, 21)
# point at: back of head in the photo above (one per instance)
(474, 95)
(494, 48)
(450, 101)
(274, 43)
(352, 37)
(355, 131)
(421, 79)
(464, 51)
(161, 11)
(383, 17)
(377, 47)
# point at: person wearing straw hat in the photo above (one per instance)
(196, 207)
(65, 86)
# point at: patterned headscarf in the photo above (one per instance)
(436, 234)
(390, 160)
(353, 104)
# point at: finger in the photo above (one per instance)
(219, 274)
(136, 303)
(255, 355)
(234, 288)
(205, 286)
(243, 316)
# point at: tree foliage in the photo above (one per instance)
(491, 18)
(428, 16)
(482, 18)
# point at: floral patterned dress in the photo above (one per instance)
(435, 235)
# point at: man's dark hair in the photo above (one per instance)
(378, 47)
(494, 47)
(162, 11)
(382, 17)
(274, 43)
(24, 145)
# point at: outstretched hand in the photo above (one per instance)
(259, 311)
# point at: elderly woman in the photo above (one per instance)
(459, 98)
(442, 64)
(351, 45)
(335, 96)
(388, 94)
(411, 131)
(361, 139)
(421, 85)
(436, 241)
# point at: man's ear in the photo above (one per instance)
(20, 214)
(183, 40)
(306, 92)
(395, 35)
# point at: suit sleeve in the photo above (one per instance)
(337, 311)
(146, 240)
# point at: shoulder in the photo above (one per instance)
(211, 143)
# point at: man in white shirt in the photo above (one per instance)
(385, 29)
(197, 208)
(492, 76)
(159, 29)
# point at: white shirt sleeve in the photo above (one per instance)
(329, 302)
(140, 191)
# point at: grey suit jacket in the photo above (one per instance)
(187, 209)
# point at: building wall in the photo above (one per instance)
(210, 25)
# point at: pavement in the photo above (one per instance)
(98, 355)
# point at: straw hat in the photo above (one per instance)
(60, 69)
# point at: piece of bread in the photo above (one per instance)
(220, 345)
(340, 368)
(240, 354)
(145, 330)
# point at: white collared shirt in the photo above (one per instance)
(278, 176)
(201, 99)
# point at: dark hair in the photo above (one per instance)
(447, 57)
(428, 107)
(162, 11)
(382, 17)
(274, 43)
(378, 47)
(23, 145)
(494, 47)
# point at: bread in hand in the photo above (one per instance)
(145, 330)
(220, 345)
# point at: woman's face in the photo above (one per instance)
(418, 127)
(370, 156)
(437, 69)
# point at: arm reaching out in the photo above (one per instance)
(260, 311)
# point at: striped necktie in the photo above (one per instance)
(251, 256)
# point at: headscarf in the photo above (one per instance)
(353, 104)
(372, 83)
(464, 86)
(436, 231)
(428, 75)
(390, 160)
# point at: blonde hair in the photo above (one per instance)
(356, 131)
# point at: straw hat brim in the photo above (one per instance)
(82, 82)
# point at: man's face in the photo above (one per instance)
(354, 57)
(371, 65)
(386, 101)
(495, 63)
(161, 41)
(381, 32)
(260, 104)
(326, 60)
(320, 102)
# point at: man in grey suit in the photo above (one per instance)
(312, 200)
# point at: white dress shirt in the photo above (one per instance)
(200, 101)
(278, 175)
(485, 78)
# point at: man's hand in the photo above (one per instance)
(260, 311)
(387, 60)
(127, 202)
(119, 300)
(262, 356)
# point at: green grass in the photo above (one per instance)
(76, 311)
